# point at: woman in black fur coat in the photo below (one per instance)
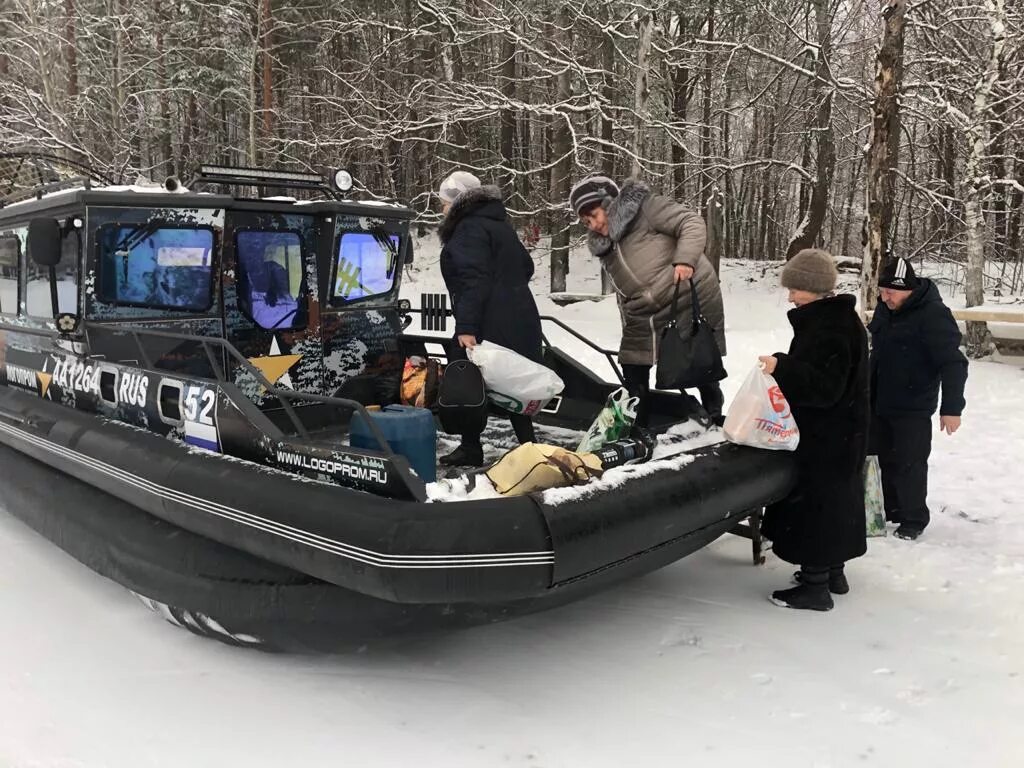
(487, 272)
(824, 377)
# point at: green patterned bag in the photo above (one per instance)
(613, 422)
(874, 503)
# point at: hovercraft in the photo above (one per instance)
(180, 371)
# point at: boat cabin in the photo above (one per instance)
(130, 293)
(307, 288)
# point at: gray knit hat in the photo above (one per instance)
(456, 184)
(593, 189)
(810, 270)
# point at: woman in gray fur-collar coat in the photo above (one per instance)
(647, 243)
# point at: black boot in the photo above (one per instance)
(812, 594)
(837, 583)
(908, 531)
(523, 427)
(713, 400)
(466, 455)
(697, 412)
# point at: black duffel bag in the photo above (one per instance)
(688, 356)
(462, 399)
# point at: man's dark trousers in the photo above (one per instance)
(903, 444)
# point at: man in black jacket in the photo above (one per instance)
(915, 347)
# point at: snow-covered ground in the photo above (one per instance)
(922, 663)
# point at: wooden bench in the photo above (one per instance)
(991, 314)
(564, 298)
(988, 314)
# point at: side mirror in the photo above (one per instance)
(408, 250)
(44, 246)
(44, 242)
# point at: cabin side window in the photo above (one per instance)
(37, 281)
(10, 270)
(364, 266)
(160, 267)
(270, 286)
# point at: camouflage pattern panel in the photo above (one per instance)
(271, 300)
(123, 393)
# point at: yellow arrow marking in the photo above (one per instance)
(44, 382)
(276, 366)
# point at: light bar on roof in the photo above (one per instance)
(212, 172)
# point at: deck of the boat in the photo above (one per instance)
(497, 439)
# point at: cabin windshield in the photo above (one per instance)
(155, 265)
(270, 270)
(364, 265)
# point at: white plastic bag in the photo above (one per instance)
(514, 382)
(760, 416)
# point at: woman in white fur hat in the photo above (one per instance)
(487, 273)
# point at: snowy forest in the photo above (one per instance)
(838, 123)
(141, 499)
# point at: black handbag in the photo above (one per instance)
(688, 356)
(462, 399)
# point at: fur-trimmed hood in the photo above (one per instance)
(623, 209)
(622, 212)
(468, 202)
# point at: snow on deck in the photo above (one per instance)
(669, 453)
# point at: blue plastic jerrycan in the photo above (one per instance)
(409, 431)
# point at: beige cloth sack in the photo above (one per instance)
(536, 467)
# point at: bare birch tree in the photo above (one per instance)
(883, 151)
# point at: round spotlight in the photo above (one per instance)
(67, 322)
(342, 180)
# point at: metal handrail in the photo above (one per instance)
(283, 395)
(29, 330)
(37, 192)
(609, 354)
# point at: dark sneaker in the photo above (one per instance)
(837, 583)
(807, 597)
(463, 456)
(908, 532)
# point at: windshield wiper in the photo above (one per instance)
(383, 239)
